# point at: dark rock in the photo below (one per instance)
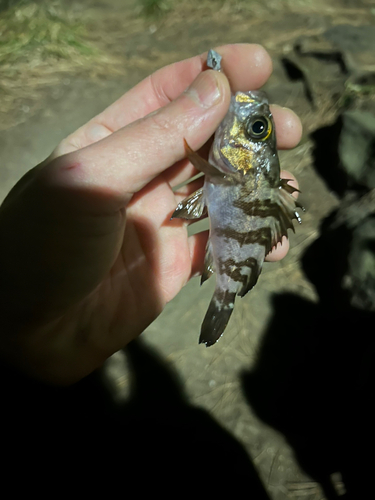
(355, 218)
(357, 147)
(345, 158)
(353, 209)
(319, 47)
(343, 54)
(351, 46)
(359, 280)
(352, 38)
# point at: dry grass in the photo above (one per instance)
(42, 40)
(256, 7)
(38, 43)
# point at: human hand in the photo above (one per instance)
(89, 255)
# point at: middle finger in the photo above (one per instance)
(247, 66)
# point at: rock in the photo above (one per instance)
(349, 49)
(350, 38)
(359, 280)
(345, 157)
(353, 45)
(319, 47)
(356, 147)
(356, 218)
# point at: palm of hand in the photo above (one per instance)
(118, 268)
(155, 260)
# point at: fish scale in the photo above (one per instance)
(250, 208)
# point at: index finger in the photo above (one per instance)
(247, 66)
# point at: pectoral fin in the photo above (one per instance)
(200, 163)
(191, 207)
(288, 188)
(283, 218)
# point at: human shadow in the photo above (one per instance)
(315, 374)
(155, 441)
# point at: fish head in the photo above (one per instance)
(246, 139)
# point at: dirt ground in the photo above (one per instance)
(213, 379)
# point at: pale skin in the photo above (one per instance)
(89, 256)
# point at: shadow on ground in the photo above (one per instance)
(314, 382)
(153, 440)
(315, 376)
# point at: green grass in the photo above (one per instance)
(39, 42)
(39, 32)
(156, 7)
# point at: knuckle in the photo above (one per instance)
(159, 122)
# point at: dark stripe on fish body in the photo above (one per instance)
(262, 236)
(267, 208)
(223, 297)
(258, 208)
(233, 269)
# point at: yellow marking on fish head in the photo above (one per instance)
(238, 149)
(245, 137)
(239, 158)
(240, 97)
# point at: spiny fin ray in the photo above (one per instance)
(200, 163)
(191, 207)
(286, 213)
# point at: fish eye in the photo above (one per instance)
(258, 127)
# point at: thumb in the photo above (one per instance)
(127, 160)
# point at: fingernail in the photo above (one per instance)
(205, 90)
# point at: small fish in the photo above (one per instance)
(250, 208)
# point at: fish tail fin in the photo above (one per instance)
(217, 317)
